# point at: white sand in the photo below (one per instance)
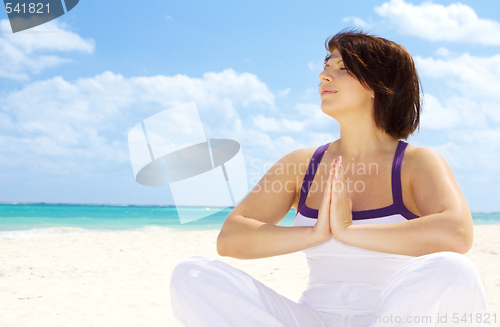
(122, 278)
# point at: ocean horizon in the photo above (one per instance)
(25, 220)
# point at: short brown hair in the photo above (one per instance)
(388, 69)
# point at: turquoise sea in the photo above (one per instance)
(25, 220)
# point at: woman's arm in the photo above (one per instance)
(250, 231)
(445, 224)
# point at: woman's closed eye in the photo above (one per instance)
(328, 66)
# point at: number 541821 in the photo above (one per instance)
(32, 8)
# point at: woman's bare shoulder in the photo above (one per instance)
(294, 164)
(418, 158)
(300, 155)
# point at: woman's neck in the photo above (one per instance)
(364, 140)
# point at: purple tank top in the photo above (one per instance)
(397, 206)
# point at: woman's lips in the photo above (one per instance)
(327, 92)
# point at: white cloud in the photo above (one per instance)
(474, 85)
(308, 123)
(492, 109)
(315, 66)
(283, 93)
(312, 111)
(455, 112)
(456, 22)
(358, 22)
(25, 53)
(474, 150)
(462, 119)
(266, 123)
(271, 124)
(245, 87)
(475, 77)
(435, 116)
(443, 52)
(56, 126)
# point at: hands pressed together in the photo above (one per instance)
(335, 211)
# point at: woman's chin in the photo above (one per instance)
(329, 111)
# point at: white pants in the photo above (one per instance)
(439, 289)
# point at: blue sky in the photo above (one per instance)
(71, 89)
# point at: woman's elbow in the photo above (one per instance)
(464, 237)
(221, 250)
(465, 240)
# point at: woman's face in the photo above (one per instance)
(341, 93)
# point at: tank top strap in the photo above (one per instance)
(397, 192)
(310, 173)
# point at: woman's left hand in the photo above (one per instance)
(340, 203)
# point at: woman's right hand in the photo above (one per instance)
(321, 229)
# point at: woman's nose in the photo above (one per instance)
(324, 76)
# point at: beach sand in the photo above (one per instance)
(122, 278)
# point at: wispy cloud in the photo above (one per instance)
(474, 76)
(467, 119)
(455, 23)
(457, 111)
(358, 22)
(473, 87)
(443, 52)
(315, 66)
(57, 125)
(278, 125)
(283, 93)
(28, 52)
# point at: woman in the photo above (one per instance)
(386, 242)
